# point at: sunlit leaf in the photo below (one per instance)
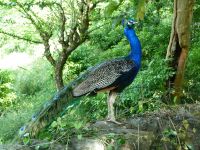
(54, 124)
(112, 6)
(79, 136)
(185, 124)
(78, 125)
(141, 9)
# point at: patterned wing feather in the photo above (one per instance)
(103, 75)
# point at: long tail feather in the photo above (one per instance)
(52, 109)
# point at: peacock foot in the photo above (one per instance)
(113, 121)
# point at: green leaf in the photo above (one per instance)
(140, 105)
(194, 130)
(26, 140)
(59, 119)
(54, 124)
(165, 139)
(141, 10)
(80, 136)
(179, 147)
(185, 124)
(121, 141)
(190, 146)
(112, 6)
(78, 125)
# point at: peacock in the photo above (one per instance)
(112, 76)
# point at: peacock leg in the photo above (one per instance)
(111, 99)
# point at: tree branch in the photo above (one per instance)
(62, 40)
(47, 52)
(45, 35)
(36, 22)
(98, 27)
(23, 11)
(20, 37)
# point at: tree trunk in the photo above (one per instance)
(178, 47)
(60, 64)
(59, 67)
(58, 77)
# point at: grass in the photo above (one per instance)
(20, 113)
(33, 87)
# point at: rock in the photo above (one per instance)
(86, 144)
(115, 136)
(132, 140)
(149, 124)
(163, 129)
(14, 147)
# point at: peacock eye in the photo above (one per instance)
(130, 23)
(22, 128)
(33, 118)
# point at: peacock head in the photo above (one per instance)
(131, 23)
(129, 29)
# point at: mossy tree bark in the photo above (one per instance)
(178, 47)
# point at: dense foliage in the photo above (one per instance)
(7, 94)
(24, 90)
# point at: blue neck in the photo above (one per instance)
(136, 52)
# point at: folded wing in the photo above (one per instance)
(103, 76)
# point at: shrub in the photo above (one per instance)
(192, 76)
(7, 94)
(35, 78)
